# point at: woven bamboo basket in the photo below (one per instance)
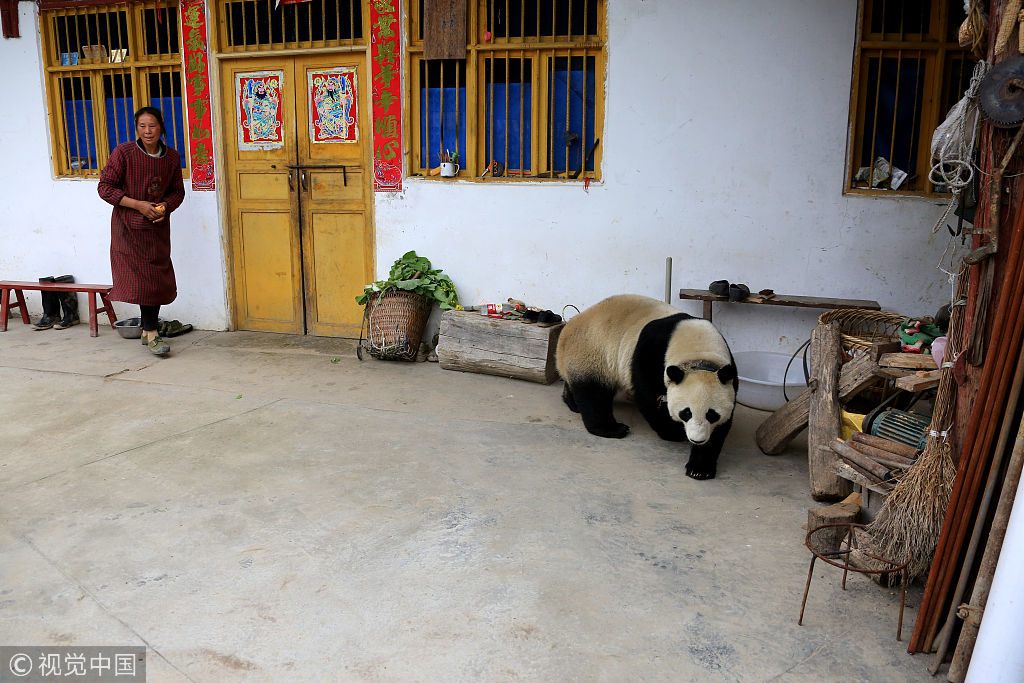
(860, 328)
(393, 320)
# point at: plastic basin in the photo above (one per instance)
(762, 374)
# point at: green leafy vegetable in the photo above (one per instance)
(414, 273)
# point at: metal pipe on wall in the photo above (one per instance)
(668, 280)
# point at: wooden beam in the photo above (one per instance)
(824, 415)
(444, 29)
(913, 361)
(919, 381)
(775, 433)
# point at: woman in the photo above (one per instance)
(142, 179)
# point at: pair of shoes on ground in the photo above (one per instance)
(173, 328)
(544, 318)
(735, 292)
(157, 346)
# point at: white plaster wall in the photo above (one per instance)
(724, 148)
(53, 227)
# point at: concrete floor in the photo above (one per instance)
(261, 507)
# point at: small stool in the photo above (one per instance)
(851, 545)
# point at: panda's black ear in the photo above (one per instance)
(675, 373)
(727, 374)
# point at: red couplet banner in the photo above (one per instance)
(387, 98)
(197, 93)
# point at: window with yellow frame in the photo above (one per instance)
(527, 102)
(102, 63)
(909, 71)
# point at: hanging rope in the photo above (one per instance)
(953, 144)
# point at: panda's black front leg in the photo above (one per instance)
(593, 401)
(655, 411)
(703, 463)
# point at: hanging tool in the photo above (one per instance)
(1001, 98)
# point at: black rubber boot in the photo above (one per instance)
(69, 303)
(51, 307)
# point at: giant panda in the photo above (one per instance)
(678, 369)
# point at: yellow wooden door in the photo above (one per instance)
(300, 219)
(335, 184)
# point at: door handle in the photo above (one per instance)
(305, 180)
(291, 185)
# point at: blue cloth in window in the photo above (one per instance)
(573, 81)
(501, 129)
(81, 134)
(439, 136)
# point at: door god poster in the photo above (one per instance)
(258, 95)
(333, 115)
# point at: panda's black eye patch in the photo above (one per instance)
(713, 416)
(685, 415)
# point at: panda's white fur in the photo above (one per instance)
(606, 349)
(697, 340)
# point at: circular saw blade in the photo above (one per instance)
(1001, 95)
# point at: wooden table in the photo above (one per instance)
(778, 300)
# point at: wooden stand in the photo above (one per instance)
(470, 342)
(775, 433)
(17, 287)
(824, 417)
(778, 300)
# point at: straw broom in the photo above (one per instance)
(910, 521)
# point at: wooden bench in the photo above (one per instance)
(778, 300)
(18, 287)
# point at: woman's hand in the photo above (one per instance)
(154, 212)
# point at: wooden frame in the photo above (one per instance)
(540, 51)
(936, 46)
(220, 99)
(134, 65)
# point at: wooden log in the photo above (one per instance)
(861, 462)
(901, 449)
(847, 472)
(912, 361)
(846, 511)
(919, 381)
(824, 417)
(775, 433)
(890, 460)
(470, 342)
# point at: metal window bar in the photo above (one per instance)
(568, 106)
(522, 113)
(895, 107)
(504, 142)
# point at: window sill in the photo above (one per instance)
(894, 194)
